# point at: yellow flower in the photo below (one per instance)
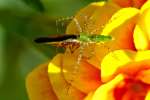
(118, 73)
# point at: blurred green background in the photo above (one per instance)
(20, 22)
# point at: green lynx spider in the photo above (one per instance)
(74, 41)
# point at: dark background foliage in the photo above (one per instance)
(20, 22)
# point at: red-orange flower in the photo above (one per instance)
(128, 78)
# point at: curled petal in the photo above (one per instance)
(144, 76)
(124, 61)
(84, 76)
(62, 89)
(142, 31)
(95, 60)
(120, 18)
(38, 85)
(140, 39)
(92, 18)
(105, 91)
(100, 17)
(148, 95)
(122, 3)
(142, 55)
(113, 61)
(120, 27)
(129, 3)
(145, 6)
(89, 96)
(138, 3)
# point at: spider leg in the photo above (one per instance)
(62, 22)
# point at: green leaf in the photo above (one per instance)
(36, 4)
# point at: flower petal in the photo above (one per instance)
(124, 61)
(83, 76)
(113, 61)
(92, 18)
(122, 3)
(138, 3)
(105, 91)
(62, 88)
(127, 62)
(89, 96)
(140, 39)
(144, 76)
(120, 27)
(38, 85)
(142, 55)
(148, 95)
(142, 31)
(145, 6)
(100, 17)
(130, 3)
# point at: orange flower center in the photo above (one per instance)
(131, 90)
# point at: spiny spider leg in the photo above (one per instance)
(77, 65)
(78, 25)
(79, 58)
(61, 21)
(95, 30)
(68, 84)
(92, 51)
(81, 44)
(85, 24)
(82, 47)
(80, 29)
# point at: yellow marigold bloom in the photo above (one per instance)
(121, 73)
